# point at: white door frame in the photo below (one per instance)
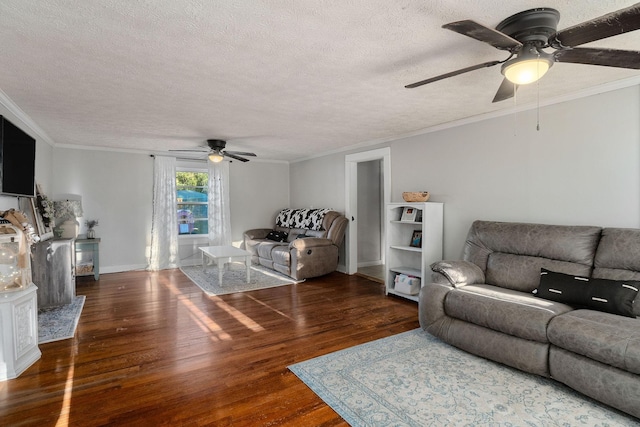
(351, 198)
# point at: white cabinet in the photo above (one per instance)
(18, 332)
(402, 254)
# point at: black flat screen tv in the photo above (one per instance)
(17, 161)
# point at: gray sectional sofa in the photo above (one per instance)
(304, 243)
(581, 328)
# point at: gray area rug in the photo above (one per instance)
(234, 278)
(59, 323)
(414, 379)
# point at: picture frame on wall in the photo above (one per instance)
(28, 207)
(45, 226)
(416, 239)
(409, 214)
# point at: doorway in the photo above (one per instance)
(368, 187)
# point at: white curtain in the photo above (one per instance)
(219, 211)
(164, 228)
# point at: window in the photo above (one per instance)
(193, 204)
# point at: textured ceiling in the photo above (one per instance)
(287, 79)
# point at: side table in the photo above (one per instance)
(88, 257)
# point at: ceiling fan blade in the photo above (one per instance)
(611, 24)
(242, 159)
(484, 34)
(605, 57)
(241, 153)
(505, 91)
(193, 151)
(453, 73)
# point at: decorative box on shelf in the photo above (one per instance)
(407, 284)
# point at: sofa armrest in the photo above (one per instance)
(457, 273)
(309, 242)
(431, 312)
(256, 233)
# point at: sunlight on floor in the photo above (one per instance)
(239, 316)
(204, 321)
(201, 319)
(65, 410)
(270, 308)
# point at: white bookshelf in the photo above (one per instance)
(401, 257)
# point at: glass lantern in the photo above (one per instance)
(15, 263)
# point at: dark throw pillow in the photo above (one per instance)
(611, 296)
(277, 236)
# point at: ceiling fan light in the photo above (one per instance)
(528, 71)
(215, 157)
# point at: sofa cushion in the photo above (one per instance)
(618, 249)
(610, 296)
(294, 232)
(617, 257)
(280, 255)
(511, 312)
(575, 244)
(613, 340)
(522, 272)
(265, 248)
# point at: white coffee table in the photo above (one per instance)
(221, 255)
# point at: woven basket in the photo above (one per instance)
(415, 196)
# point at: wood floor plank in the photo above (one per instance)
(153, 349)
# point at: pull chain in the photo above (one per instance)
(538, 95)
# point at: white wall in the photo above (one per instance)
(117, 189)
(258, 191)
(582, 167)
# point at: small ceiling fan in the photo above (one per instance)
(525, 35)
(216, 151)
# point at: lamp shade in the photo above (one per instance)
(215, 157)
(67, 208)
(527, 71)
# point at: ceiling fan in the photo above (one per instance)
(525, 35)
(216, 151)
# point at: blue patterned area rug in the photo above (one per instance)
(59, 323)
(414, 379)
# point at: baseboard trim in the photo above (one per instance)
(370, 263)
(122, 268)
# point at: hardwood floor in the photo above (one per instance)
(153, 349)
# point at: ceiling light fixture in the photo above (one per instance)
(528, 67)
(215, 157)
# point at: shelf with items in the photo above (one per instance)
(412, 246)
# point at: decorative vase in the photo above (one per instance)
(91, 233)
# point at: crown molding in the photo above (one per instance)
(13, 108)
